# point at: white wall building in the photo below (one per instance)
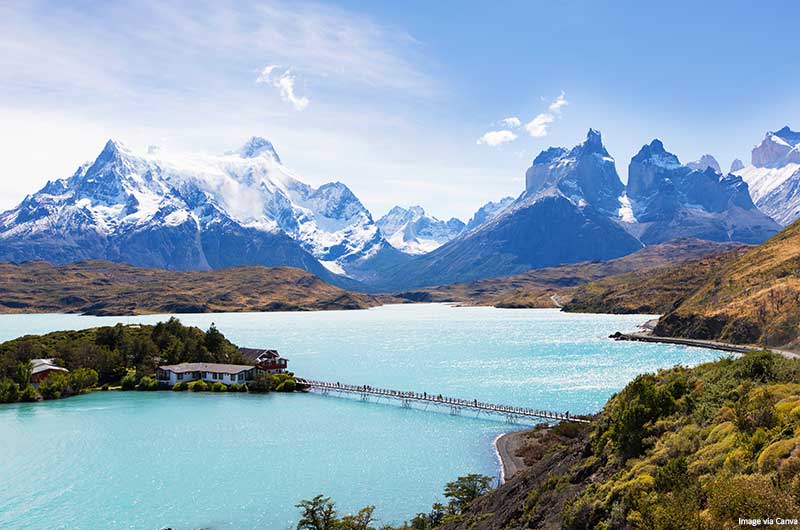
(208, 372)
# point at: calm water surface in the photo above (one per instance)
(149, 460)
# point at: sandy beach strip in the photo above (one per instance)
(506, 446)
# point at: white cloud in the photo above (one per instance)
(494, 138)
(560, 101)
(283, 80)
(537, 127)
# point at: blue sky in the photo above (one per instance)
(391, 97)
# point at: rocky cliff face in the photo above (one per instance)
(488, 211)
(774, 175)
(670, 200)
(584, 173)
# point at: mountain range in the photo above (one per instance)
(415, 232)
(774, 175)
(245, 207)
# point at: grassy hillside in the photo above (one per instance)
(681, 449)
(104, 288)
(754, 299)
(653, 291)
(545, 287)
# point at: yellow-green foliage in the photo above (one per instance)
(697, 448)
(768, 460)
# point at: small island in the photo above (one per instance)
(164, 356)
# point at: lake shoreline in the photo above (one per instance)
(505, 447)
(700, 343)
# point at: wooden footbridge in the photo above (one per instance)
(456, 406)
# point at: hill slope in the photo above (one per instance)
(753, 299)
(544, 287)
(648, 291)
(684, 448)
(105, 288)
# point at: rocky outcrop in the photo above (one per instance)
(671, 200)
(705, 162)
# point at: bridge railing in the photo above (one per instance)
(444, 400)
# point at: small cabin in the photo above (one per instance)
(208, 372)
(44, 368)
(266, 361)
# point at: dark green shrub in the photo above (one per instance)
(236, 387)
(219, 387)
(261, 384)
(198, 386)
(55, 386)
(104, 387)
(147, 383)
(673, 476)
(128, 382)
(289, 385)
(82, 378)
(9, 391)
(180, 386)
(28, 394)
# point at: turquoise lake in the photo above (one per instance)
(152, 460)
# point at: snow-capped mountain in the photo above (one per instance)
(586, 173)
(192, 211)
(488, 211)
(564, 216)
(774, 175)
(666, 200)
(414, 232)
(705, 162)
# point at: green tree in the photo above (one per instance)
(28, 394)
(83, 378)
(9, 391)
(261, 384)
(360, 521)
(55, 386)
(318, 513)
(214, 340)
(466, 489)
(24, 372)
(128, 382)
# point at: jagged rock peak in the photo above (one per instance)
(789, 136)
(655, 153)
(704, 162)
(736, 165)
(777, 149)
(593, 143)
(257, 146)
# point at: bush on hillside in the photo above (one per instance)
(219, 387)
(9, 391)
(261, 384)
(147, 383)
(128, 382)
(180, 386)
(198, 386)
(28, 394)
(289, 385)
(55, 386)
(82, 379)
